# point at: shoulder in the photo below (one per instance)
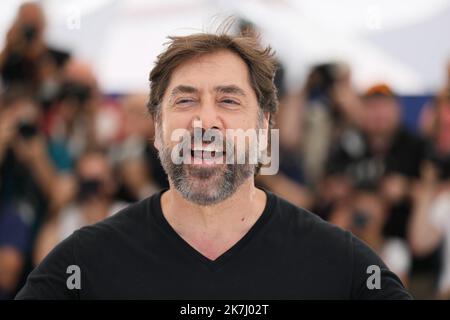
(308, 226)
(329, 241)
(329, 245)
(91, 249)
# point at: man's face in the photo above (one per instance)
(214, 89)
(382, 115)
(94, 174)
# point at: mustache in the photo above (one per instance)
(211, 140)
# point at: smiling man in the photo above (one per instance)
(212, 234)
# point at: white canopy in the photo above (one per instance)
(404, 43)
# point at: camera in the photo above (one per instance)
(89, 188)
(29, 32)
(360, 219)
(76, 91)
(27, 130)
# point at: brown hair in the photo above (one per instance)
(260, 61)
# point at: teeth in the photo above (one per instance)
(206, 154)
(207, 149)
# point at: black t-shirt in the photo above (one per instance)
(288, 253)
(352, 156)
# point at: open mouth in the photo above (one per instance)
(207, 157)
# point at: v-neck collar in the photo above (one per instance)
(213, 265)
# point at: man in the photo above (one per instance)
(382, 147)
(383, 154)
(212, 234)
(26, 59)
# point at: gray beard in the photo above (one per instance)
(204, 186)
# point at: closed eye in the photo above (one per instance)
(229, 101)
(184, 101)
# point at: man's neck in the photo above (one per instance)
(214, 229)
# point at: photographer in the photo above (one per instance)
(23, 150)
(430, 223)
(383, 152)
(26, 176)
(332, 108)
(26, 59)
(364, 214)
(72, 117)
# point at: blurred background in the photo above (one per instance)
(364, 119)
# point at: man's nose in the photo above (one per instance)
(209, 116)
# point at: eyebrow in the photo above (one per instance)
(183, 89)
(230, 89)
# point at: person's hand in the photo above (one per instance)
(341, 216)
(16, 42)
(30, 150)
(63, 191)
(7, 131)
(8, 128)
(394, 187)
(429, 174)
(428, 182)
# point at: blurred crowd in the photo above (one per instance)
(70, 155)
